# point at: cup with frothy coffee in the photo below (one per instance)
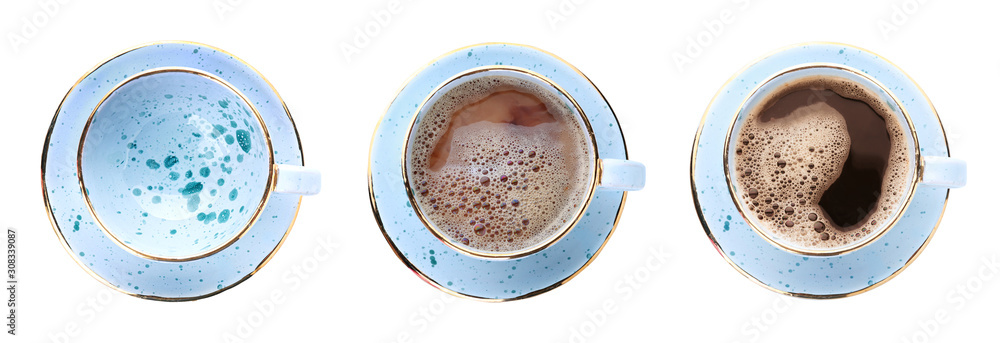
(821, 159)
(821, 170)
(500, 163)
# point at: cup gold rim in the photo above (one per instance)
(549, 241)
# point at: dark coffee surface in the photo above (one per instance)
(821, 162)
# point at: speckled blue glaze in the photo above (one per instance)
(111, 263)
(790, 273)
(459, 273)
(175, 164)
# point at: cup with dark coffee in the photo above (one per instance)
(821, 159)
(822, 170)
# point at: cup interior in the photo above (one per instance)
(523, 75)
(175, 164)
(765, 92)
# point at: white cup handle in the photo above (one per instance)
(299, 180)
(622, 175)
(943, 172)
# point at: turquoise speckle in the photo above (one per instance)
(151, 163)
(82, 254)
(170, 161)
(233, 194)
(243, 137)
(168, 96)
(205, 171)
(174, 175)
(224, 103)
(156, 199)
(221, 182)
(230, 140)
(173, 231)
(223, 216)
(136, 192)
(192, 188)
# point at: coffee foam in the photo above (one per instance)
(784, 166)
(503, 187)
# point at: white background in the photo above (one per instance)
(363, 293)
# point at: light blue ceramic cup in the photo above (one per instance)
(782, 266)
(461, 273)
(173, 171)
(607, 174)
(924, 168)
(176, 164)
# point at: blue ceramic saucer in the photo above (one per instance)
(113, 264)
(813, 276)
(460, 274)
